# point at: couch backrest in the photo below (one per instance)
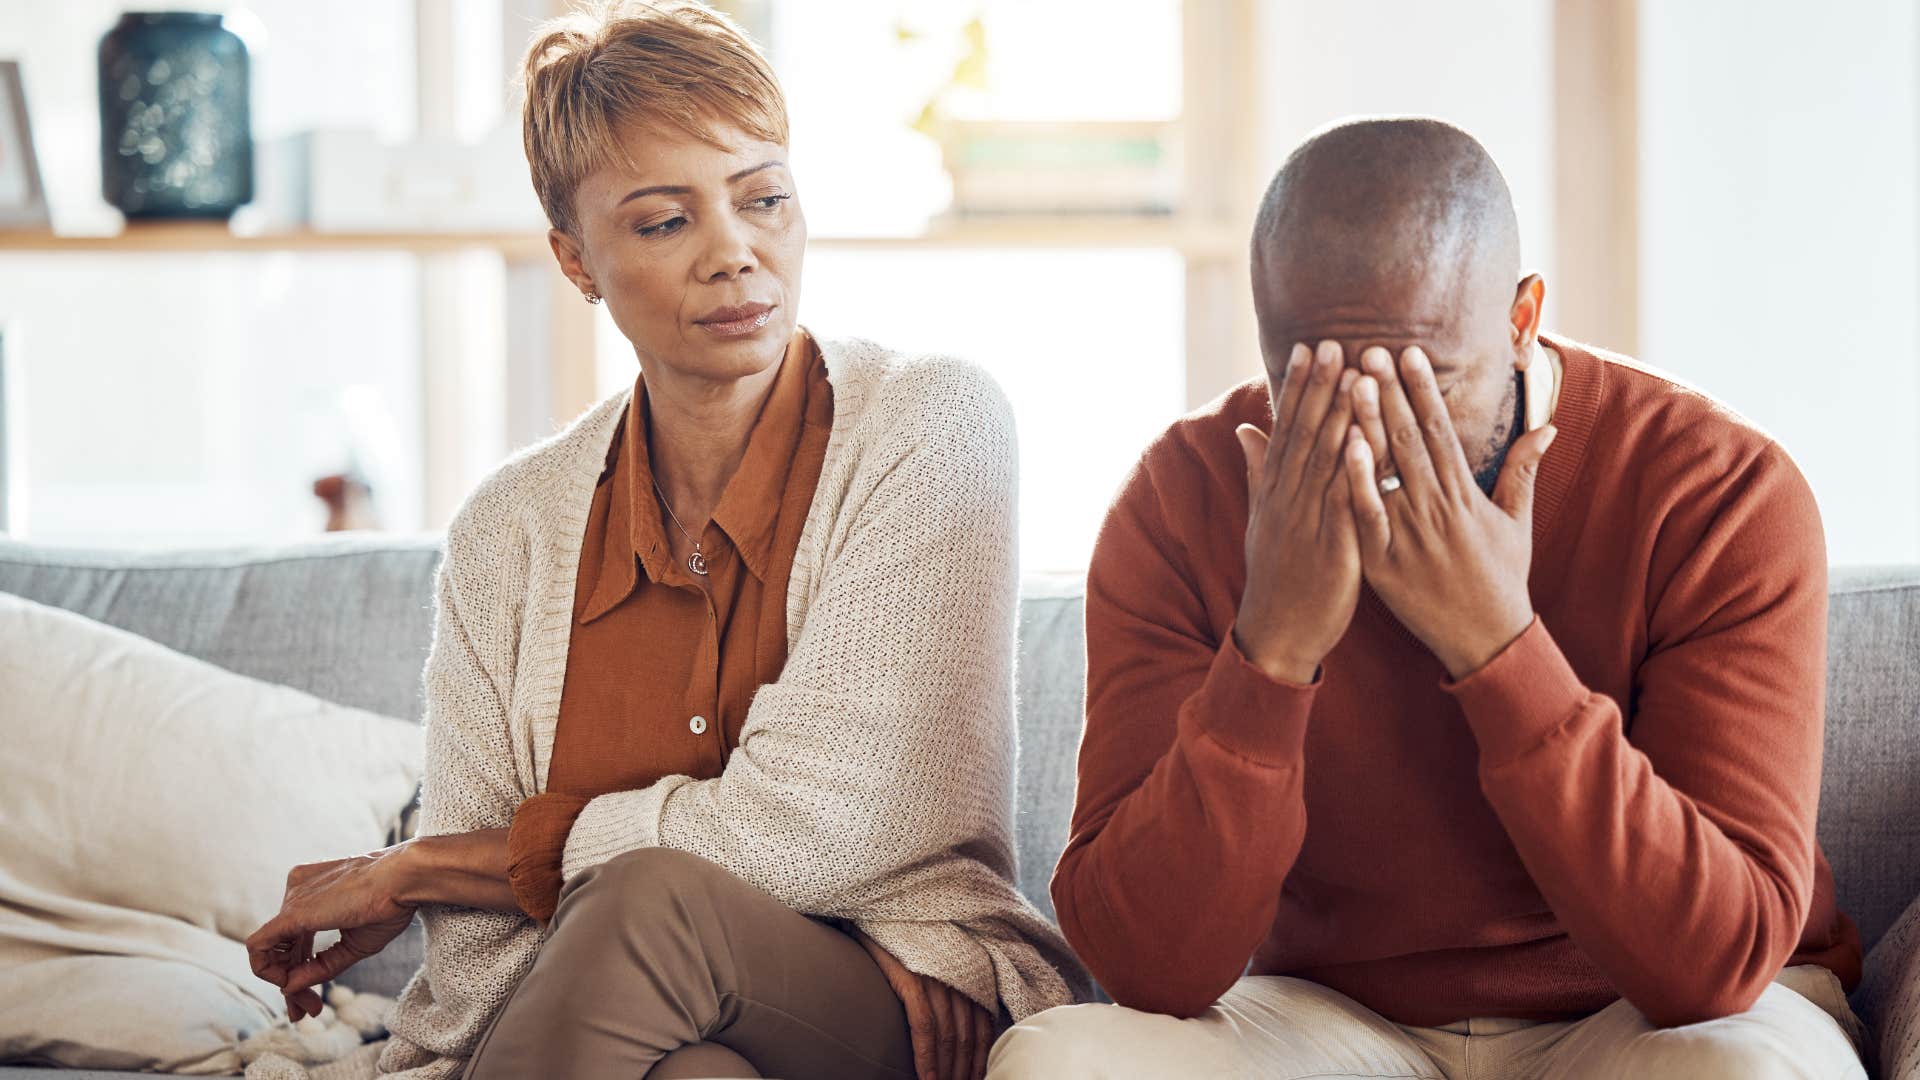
(344, 618)
(348, 618)
(1870, 777)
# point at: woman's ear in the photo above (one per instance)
(1523, 318)
(566, 251)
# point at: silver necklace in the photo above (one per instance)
(696, 562)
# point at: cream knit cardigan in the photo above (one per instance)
(873, 781)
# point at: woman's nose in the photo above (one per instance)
(727, 254)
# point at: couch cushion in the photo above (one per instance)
(347, 618)
(155, 804)
(1870, 780)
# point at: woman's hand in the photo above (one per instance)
(951, 1034)
(356, 896)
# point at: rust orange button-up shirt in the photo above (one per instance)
(659, 670)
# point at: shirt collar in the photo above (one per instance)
(619, 569)
(750, 506)
(1582, 384)
(636, 527)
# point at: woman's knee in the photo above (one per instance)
(645, 886)
(702, 1059)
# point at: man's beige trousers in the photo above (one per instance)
(1273, 1028)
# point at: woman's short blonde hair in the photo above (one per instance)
(618, 65)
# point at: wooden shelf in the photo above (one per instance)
(1204, 240)
(210, 238)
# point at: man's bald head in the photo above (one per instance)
(1395, 227)
(1395, 232)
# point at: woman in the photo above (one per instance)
(719, 713)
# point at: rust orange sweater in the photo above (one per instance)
(1619, 804)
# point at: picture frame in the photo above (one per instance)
(23, 197)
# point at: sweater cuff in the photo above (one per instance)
(1520, 697)
(535, 841)
(616, 823)
(1254, 716)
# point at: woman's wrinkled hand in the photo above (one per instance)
(356, 896)
(951, 1033)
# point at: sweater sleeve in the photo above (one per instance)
(874, 777)
(1189, 811)
(473, 958)
(1677, 848)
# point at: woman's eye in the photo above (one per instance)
(769, 202)
(662, 228)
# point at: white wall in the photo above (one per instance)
(1780, 175)
(1486, 66)
(192, 401)
(1089, 392)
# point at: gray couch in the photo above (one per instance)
(348, 619)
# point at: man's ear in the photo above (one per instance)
(566, 251)
(1523, 318)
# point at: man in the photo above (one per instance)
(1473, 715)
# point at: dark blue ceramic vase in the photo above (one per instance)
(175, 135)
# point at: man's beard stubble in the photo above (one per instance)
(1514, 408)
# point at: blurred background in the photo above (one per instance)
(1057, 189)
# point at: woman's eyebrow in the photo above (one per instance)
(657, 189)
(682, 189)
(744, 173)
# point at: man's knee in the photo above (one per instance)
(1262, 1026)
(1784, 1036)
(1106, 1041)
(1714, 1057)
(1071, 1040)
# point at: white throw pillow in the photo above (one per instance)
(151, 805)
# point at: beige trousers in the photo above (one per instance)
(1275, 1028)
(660, 964)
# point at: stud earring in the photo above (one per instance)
(593, 298)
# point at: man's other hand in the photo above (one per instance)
(1303, 559)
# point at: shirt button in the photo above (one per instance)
(697, 725)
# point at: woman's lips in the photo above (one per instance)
(739, 321)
